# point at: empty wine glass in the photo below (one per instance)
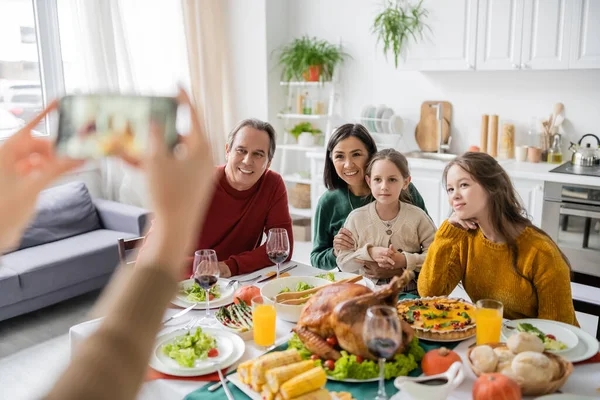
(278, 246)
(206, 275)
(382, 334)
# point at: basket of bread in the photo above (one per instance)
(523, 359)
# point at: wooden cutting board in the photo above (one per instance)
(426, 132)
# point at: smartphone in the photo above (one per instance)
(100, 125)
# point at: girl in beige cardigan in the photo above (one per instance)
(390, 234)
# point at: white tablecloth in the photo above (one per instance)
(585, 379)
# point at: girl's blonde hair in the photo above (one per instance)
(400, 162)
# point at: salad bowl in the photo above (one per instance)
(286, 312)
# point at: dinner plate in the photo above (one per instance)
(226, 295)
(231, 347)
(586, 347)
(448, 340)
(343, 275)
(386, 116)
(561, 334)
(235, 379)
(379, 115)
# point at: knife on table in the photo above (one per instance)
(180, 313)
(268, 278)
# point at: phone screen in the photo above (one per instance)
(101, 125)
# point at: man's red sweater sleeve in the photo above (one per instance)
(278, 217)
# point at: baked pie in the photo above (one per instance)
(439, 318)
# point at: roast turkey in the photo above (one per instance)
(339, 310)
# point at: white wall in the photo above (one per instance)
(514, 95)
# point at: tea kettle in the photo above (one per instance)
(587, 156)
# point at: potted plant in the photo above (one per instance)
(397, 23)
(309, 58)
(304, 133)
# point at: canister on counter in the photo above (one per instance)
(507, 142)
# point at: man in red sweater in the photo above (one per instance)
(249, 200)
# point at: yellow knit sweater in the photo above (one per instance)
(486, 271)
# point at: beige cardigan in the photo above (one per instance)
(412, 234)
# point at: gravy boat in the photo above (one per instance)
(432, 387)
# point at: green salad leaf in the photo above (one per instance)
(300, 286)
(347, 367)
(329, 276)
(196, 294)
(186, 349)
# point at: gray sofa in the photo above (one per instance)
(69, 249)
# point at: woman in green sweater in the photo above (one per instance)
(349, 150)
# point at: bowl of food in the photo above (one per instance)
(335, 276)
(289, 312)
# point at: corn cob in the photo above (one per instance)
(270, 361)
(266, 393)
(321, 394)
(277, 376)
(244, 371)
(306, 382)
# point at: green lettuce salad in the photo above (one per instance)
(196, 294)
(330, 276)
(300, 286)
(347, 366)
(186, 349)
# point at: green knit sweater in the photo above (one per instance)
(332, 211)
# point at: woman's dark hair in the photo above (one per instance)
(400, 162)
(506, 213)
(330, 177)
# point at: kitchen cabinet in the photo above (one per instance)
(524, 34)
(585, 35)
(429, 185)
(531, 195)
(451, 43)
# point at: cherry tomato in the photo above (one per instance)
(213, 353)
(332, 341)
(329, 364)
(315, 357)
(549, 336)
(211, 296)
(359, 359)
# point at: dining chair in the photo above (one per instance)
(588, 308)
(127, 247)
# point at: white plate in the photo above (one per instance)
(564, 335)
(385, 125)
(353, 380)
(226, 295)
(231, 347)
(396, 124)
(343, 275)
(379, 115)
(586, 348)
(564, 396)
(235, 379)
(447, 340)
(365, 114)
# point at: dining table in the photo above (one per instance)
(584, 381)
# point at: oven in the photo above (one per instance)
(571, 216)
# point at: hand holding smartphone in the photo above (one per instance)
(101, 125)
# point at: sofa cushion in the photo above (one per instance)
(61, 212)
(53, 266)
(10, 292)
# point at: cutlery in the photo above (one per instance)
(234, 281)
(224, 384)
(180, 313)
(268, 278)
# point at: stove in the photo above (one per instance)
(568, 168)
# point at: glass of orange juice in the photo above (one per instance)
(488, 317)
(263, 319)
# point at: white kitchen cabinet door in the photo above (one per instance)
(451, 43)
(429, 185)
(499, 34)
(531, 195)
(546, 34)
(585, 36)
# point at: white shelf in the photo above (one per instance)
(299, 148)
(297, 179)
(302, 83)
(303, 116)
(302, 212)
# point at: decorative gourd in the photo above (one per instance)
(246, 293)
(496, 386)
(437, 361)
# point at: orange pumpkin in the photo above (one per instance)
(496, 386)
(437, 361)
(246, 293)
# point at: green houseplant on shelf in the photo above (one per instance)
(304, 133)
(397, 23)
(310, 59)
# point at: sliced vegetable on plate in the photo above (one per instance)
(237, 316)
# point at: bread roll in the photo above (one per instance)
(533, 367)
(484, 358)
(524, 341)
(506, 369)
(504, 355)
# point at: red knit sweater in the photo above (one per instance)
(236, 220)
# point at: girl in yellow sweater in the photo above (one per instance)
(500, 255)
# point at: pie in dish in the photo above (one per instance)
(439, 318)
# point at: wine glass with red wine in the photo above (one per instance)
(382, 335)
(278, 246)
(206, 275)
